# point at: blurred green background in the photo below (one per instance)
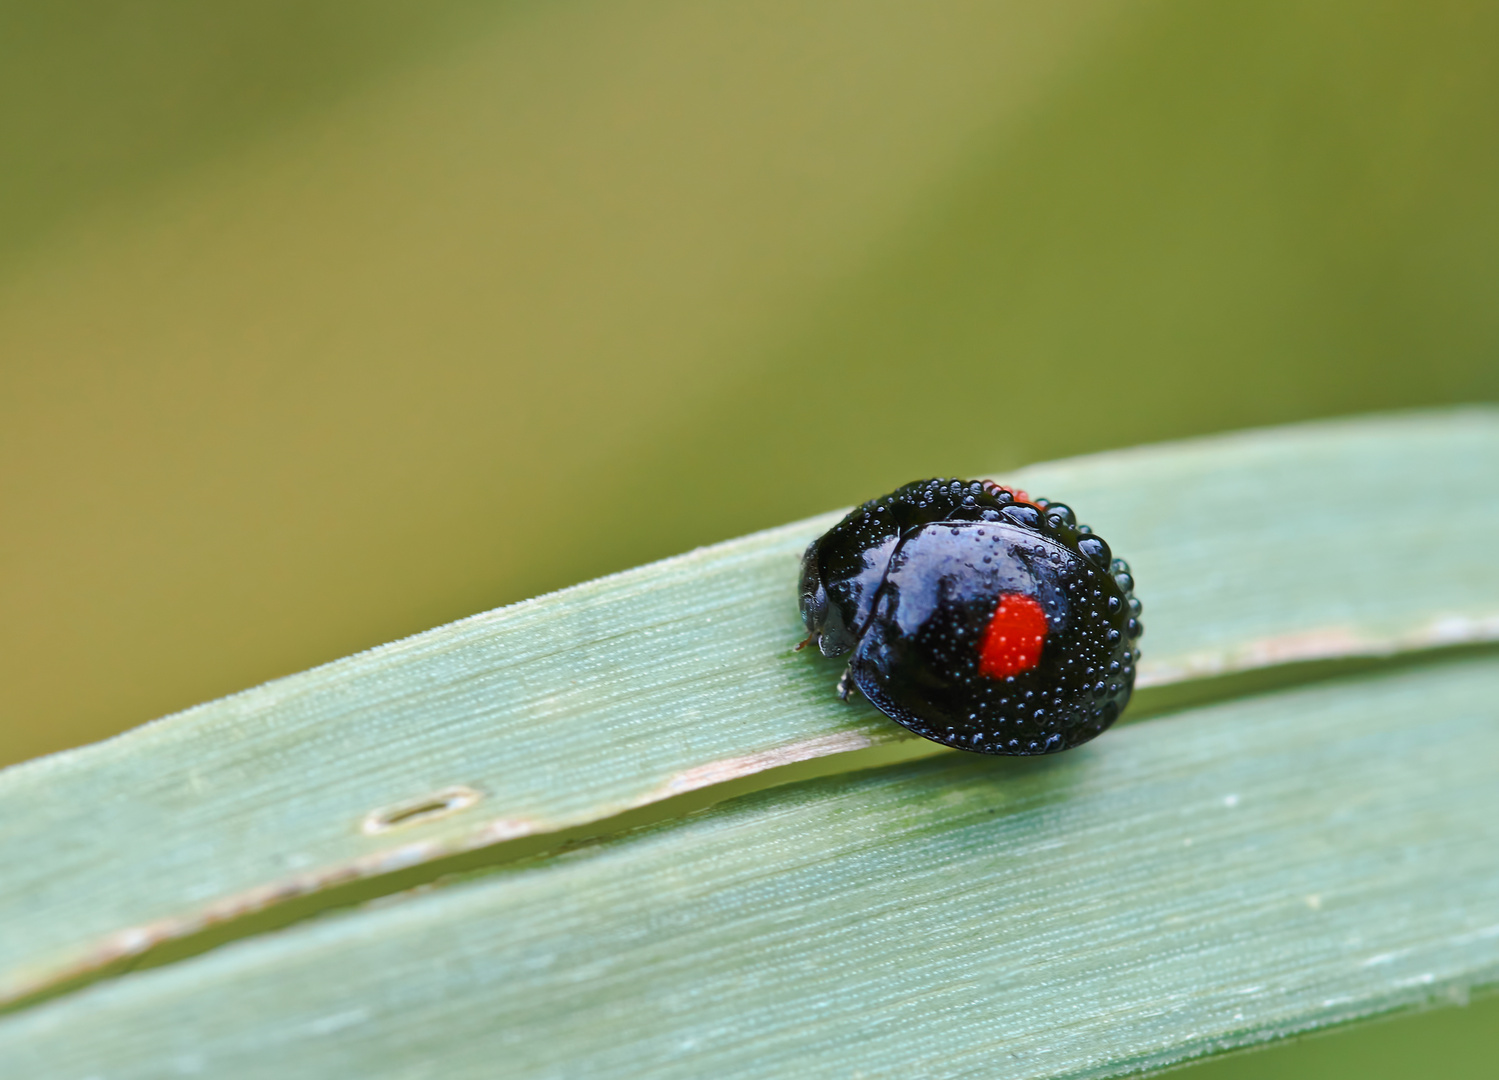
(324, 322)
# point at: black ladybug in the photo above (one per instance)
(977, 616)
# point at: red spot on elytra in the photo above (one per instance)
(1016, 633)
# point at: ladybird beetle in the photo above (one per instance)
(977, 616)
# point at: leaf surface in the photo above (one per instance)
(1349, 538)
(1206, 880)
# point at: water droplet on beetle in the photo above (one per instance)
(1026, 516)
(1094, 549)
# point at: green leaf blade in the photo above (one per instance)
(1348, 538)
(1207, 880)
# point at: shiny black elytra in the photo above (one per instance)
(977, 616)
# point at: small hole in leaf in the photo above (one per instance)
(420, 811)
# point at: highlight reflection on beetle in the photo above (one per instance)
(976, 616)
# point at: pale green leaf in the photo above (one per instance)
(1351, 538)
(1206, 880)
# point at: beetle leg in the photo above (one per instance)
(846, 682)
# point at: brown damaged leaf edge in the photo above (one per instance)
(1329, 643)
(133, 942)
(721, 772)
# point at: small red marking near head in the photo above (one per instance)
(1015, 493)
(1016, 633)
